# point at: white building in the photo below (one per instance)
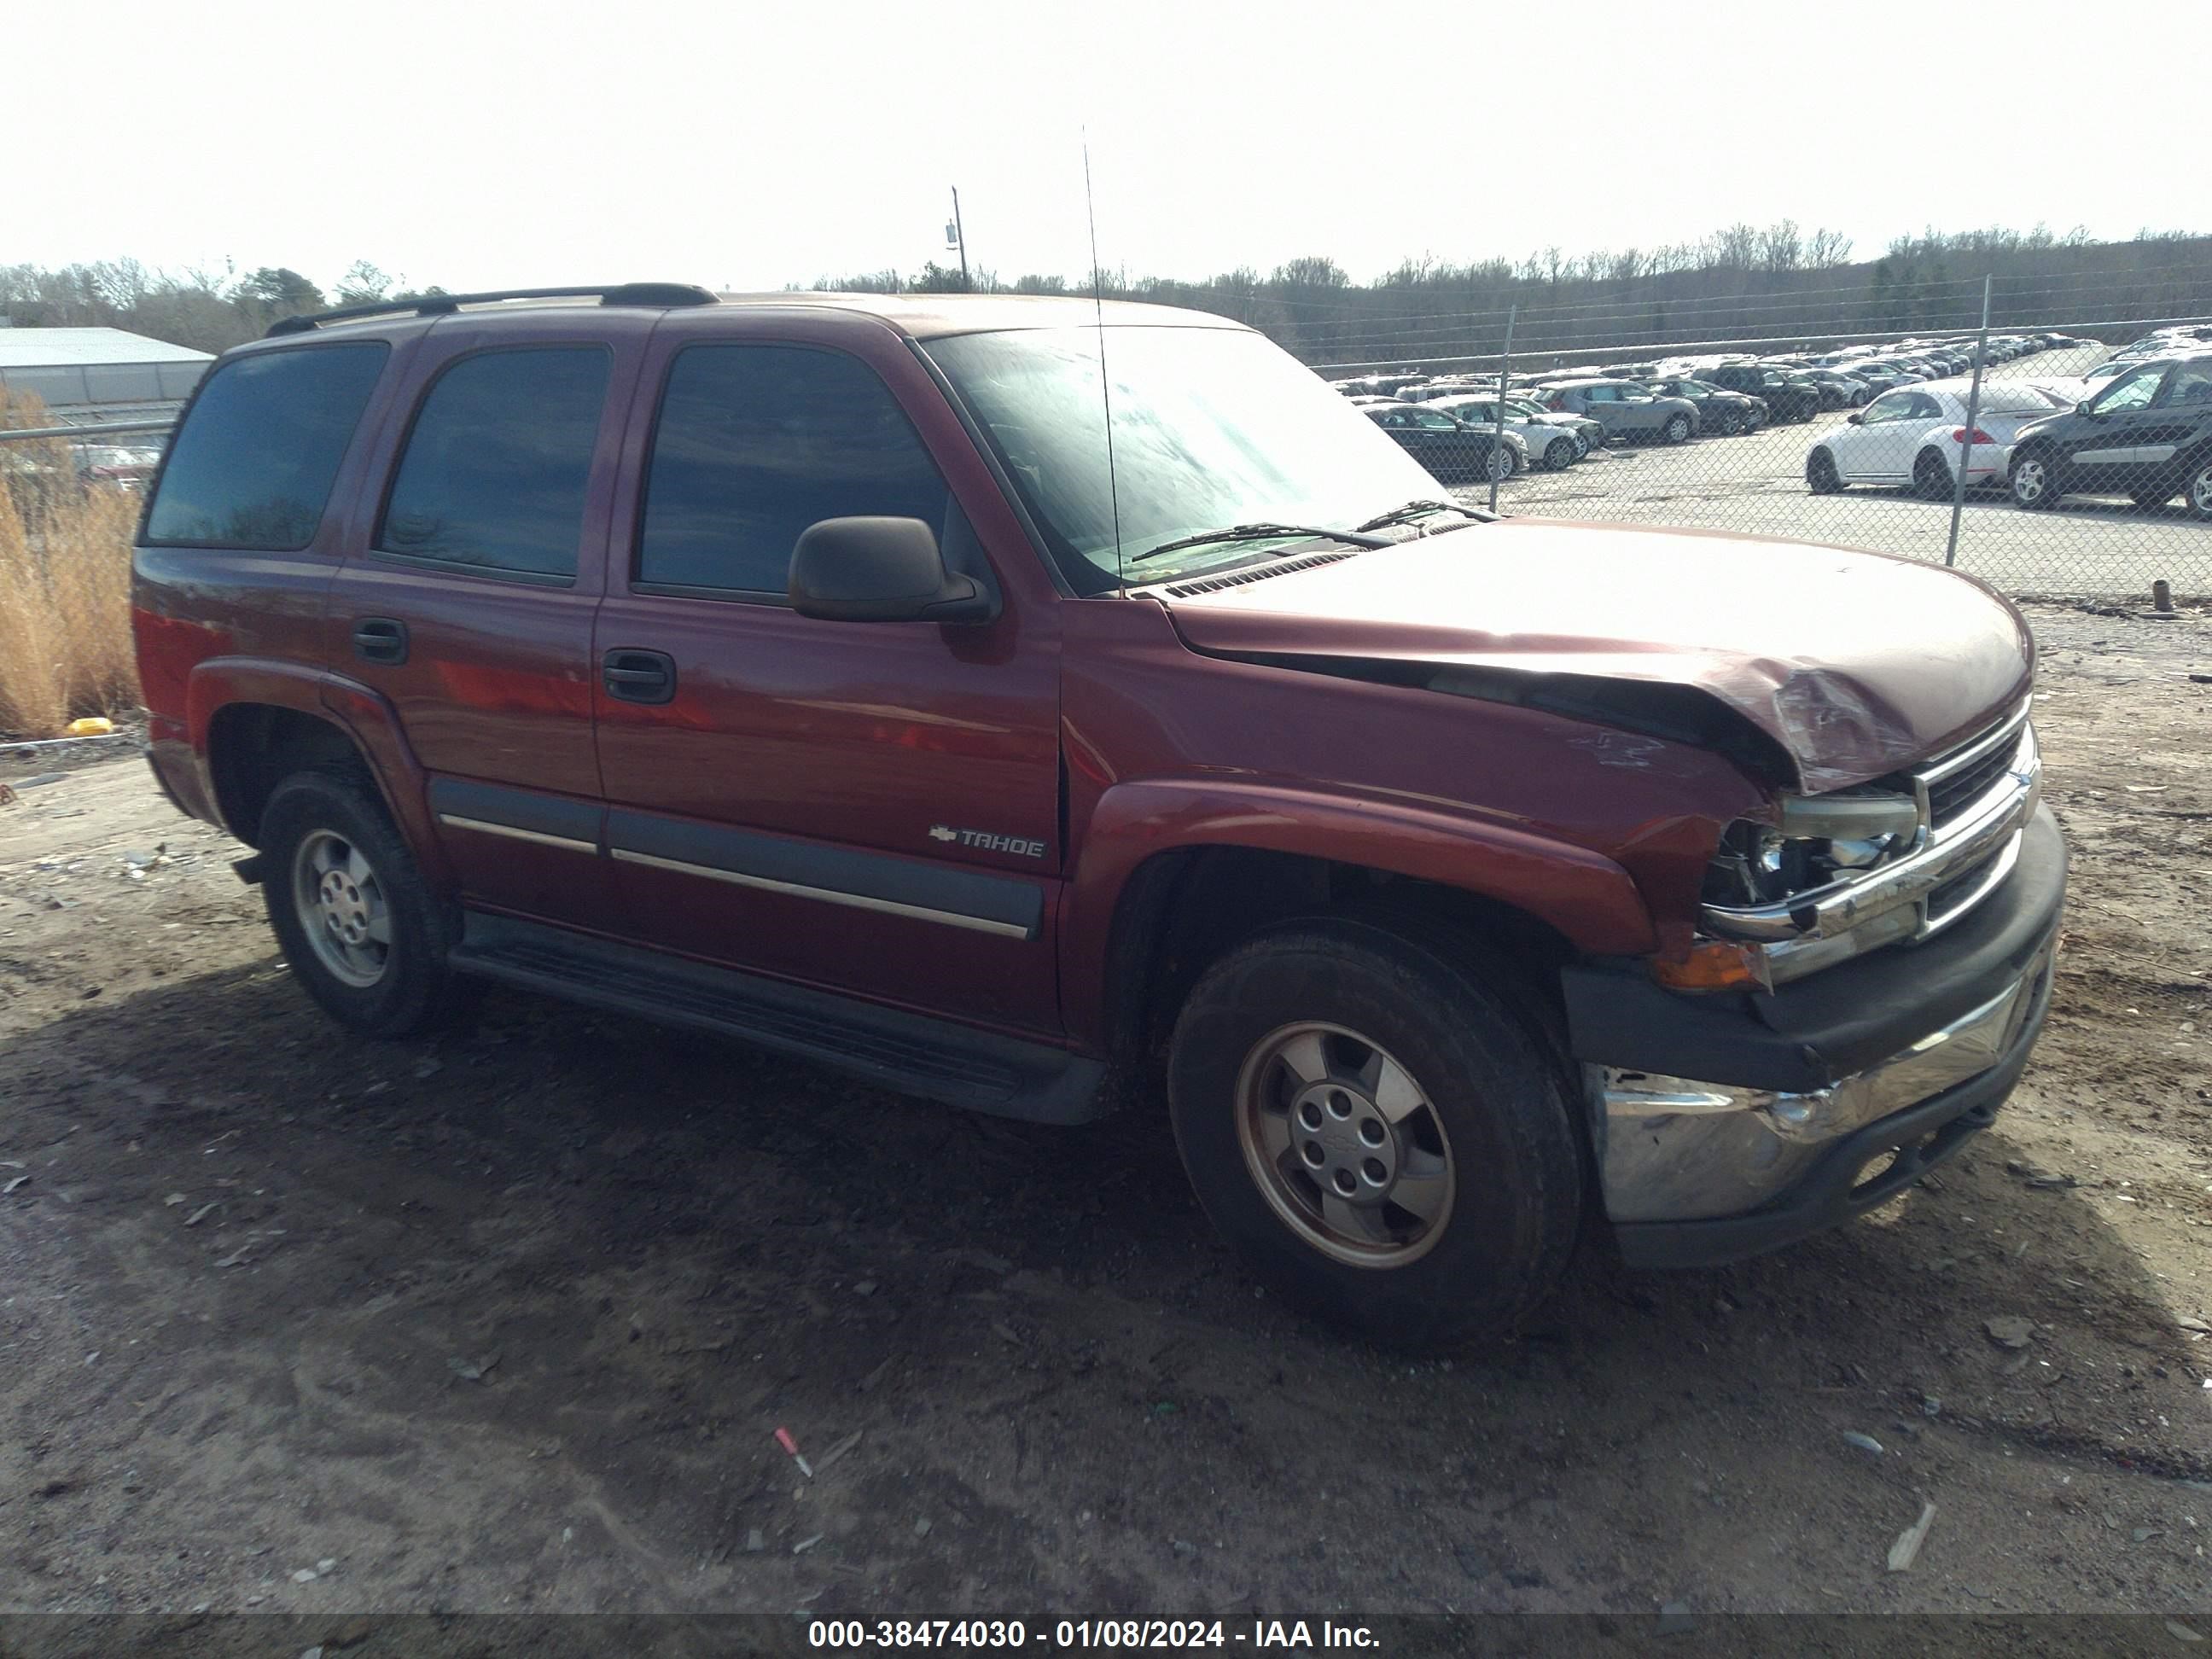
(85, 376)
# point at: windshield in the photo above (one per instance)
(1212, 428)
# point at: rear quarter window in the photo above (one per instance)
(252, 465)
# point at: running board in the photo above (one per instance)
(910, 1054)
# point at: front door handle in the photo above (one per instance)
(381, 639)
(639, 676)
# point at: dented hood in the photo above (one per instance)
(1854, 664)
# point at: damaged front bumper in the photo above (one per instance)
(1730, 1125)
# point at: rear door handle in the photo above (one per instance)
(381, 639)
(639, 676)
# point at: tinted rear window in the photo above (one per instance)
(253, 465)
(497, 466)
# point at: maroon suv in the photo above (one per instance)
(1020, 706)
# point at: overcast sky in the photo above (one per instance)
(480, 146)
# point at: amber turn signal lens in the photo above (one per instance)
(1713, 966)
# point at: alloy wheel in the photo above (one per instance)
(1345, 1145)
(341, 908)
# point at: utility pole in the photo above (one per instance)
(958, 237)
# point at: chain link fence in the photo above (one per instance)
(2063, 460)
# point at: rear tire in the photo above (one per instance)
(2197, 490)
(1821, 477)
(1932, 478)
(361, 928)
(1331, 1056)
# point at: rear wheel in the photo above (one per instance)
(2032, 485)
(362, 931)
(1677, 430)
(1376, 1132)
(1932, 478)
(2198, 489)
(1820, 475)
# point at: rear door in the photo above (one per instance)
(469, 603)
(869, 807)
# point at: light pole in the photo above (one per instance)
(956, 237)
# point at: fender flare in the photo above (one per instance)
(1585, 896)
(364, 715)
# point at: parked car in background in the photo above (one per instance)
(1553, 447)
(1878, 377)
(1430, 391)
(2146, 435)
(1916, 436)
(1588, 434)
(126, 466)
(1720, 411)
(1787, 398)
(1626, 410)
(1838, 390)
(1453, 453)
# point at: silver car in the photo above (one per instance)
(1626, 409)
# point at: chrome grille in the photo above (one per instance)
(1951, 795)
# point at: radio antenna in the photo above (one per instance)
(1105, 383)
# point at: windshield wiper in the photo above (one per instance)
(1422, 509)
(1261, 532)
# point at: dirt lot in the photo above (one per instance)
(509, 1320)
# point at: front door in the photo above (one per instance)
(471, 608)
(2134, 430)
(870, 807)
(1881, 448)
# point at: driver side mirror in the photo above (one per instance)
(2083, 408)
(1855, 418)
(881, 569)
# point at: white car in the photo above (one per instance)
(1915, 434)
(1553, 447)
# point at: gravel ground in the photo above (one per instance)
(509, 1320)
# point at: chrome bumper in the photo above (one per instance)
(1678, 1150)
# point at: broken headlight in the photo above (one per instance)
(1814, 841)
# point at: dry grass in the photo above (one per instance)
(65, 645)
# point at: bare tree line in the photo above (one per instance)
(1742, 283)
(206, 310)
(1779, 282)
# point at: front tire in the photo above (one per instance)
(1677, 430)
(363, 932)
(1376, 1132)
(1560, 454)
(1821, 477)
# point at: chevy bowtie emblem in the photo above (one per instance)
(938, 832)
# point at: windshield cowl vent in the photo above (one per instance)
(1258, 573)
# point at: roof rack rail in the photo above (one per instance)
(436, 304)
